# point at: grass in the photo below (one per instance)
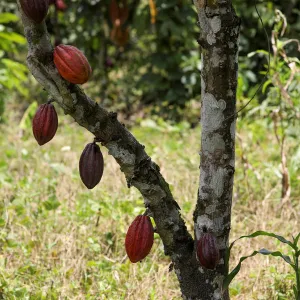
(61, 241)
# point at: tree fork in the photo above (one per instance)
(220, 28)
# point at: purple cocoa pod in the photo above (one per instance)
(208, 251)
(91, 165)
(35, 10)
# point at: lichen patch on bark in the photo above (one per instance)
(212, 113)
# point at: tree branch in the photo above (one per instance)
(137, 166)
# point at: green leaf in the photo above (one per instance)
(28, 115)
(8, 17)
(296, 239)
(15, 66)
(51, 203)
(295, 291)
(276, 253)
(264, 52)
(235, 271)
(13, 75)
(263, 251)
(266, 84)
(13, 37)
(264, 233)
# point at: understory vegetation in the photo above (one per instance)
(59, 240)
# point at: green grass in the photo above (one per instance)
(61, 241)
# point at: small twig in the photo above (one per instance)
(293, 68)
(283, 91)
(284, 23)
(98, 218)
(274, 116)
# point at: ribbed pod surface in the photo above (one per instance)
(139, 238)
(208, 251)
(91, 165)
(45, 123)
(36, 10)
(71, 64)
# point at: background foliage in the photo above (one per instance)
(12, 72)
(157, 70)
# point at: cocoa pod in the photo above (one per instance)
(71, 64)
(119, 36)
(60, 5)
(208, 251)
(114, 11)
(118, 14)
(45, 123)
(139, 238)
(91, 165)
(35, 10)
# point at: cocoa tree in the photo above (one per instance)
(218, 40)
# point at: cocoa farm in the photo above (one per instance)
(150, 149)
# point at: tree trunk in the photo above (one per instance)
(219, 41)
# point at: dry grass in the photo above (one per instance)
(60, 253)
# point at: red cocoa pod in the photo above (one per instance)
(71, 64)
(60, 5)
(35, 10)
(208, 251)
(44, 124)
(139, 238)
(91, 165)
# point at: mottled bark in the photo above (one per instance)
(220, 29)
(219, 42)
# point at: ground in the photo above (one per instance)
(60, 240)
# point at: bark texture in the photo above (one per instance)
(220, 29)
(219, 42)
